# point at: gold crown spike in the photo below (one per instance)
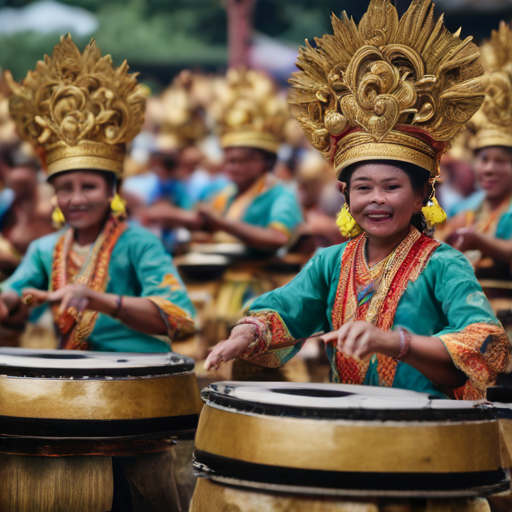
(249, 111)
(178, 114)
(492, 124)
(77, 110)
(390, 88)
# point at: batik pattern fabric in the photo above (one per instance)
(137, 266)
(76, 327)
(428, 288)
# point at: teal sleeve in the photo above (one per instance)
(458, 292)
(182, 198)
(31, 272)
(504, 228)
(285, 211)
(160, 282)
(303, 303)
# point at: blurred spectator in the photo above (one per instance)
(458, 183)
(321, 198)
(29, 215)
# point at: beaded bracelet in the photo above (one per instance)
(405, 343)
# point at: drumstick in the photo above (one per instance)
(291, 343)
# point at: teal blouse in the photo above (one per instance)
(276, 206)
(445, 301)
(139, 267)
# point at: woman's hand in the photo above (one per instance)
(361, 340)
(464, 239)
(238, 343)
(77, 296)
(213, 221)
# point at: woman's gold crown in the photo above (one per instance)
(249, 110)
(77, 110)
(390, 88)
(491, 125)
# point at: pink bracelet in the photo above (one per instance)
(247, 320)
(405, 343)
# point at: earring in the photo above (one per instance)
(117, 205)
(58, 218)
(347, 224)
(433, 212)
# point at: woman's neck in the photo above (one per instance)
(495, 202)
(88, 235)
(379, 248)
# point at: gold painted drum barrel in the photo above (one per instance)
(320, 447)
(92, 431)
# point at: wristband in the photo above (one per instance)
(119, 307)
(405, 343)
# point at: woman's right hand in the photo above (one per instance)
(238, 343)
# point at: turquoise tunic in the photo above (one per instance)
(445, 299)
(275, 206)
(139, 267)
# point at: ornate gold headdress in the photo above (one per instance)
(250, 111)
(492, 124)
(178, 114)
(77, 110)
(388, 88)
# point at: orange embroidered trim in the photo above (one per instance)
(75, 328)
(407, 263)
(179, 323)
(481, 351)
(273, 333)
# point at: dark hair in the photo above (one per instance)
(418, 176)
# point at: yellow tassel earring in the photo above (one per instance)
(58, 218)
(347, 224)
(117, 205)
(433, 212)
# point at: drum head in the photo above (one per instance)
(81, 363)
(339, 401)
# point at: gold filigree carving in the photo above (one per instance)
(387, 75)
(77, 100)
(492, 123)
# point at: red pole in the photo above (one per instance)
(240, 13)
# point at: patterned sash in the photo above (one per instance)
(358, 297)
(74, 327)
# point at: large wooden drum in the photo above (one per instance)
(92, 431)
(319, 447)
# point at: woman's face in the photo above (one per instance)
(494, 171)
(83, 196)
(382, 200)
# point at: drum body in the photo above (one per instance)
(338, 444)
(77, 427)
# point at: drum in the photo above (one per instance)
(330, 447)
(92, 431)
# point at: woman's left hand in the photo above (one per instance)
(361, 340)
(77, 296)
(464, 239)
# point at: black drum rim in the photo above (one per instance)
(251, 475)
(219, 399)
(177, 364)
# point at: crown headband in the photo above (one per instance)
(77, 110)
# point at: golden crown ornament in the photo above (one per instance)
(77, 110)
(388, 88)
(250, 111)
(492, 123)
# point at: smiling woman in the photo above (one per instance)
(111, 286)
(400, 308)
